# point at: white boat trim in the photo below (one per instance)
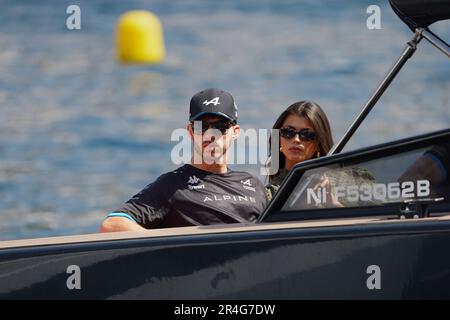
(202, 230)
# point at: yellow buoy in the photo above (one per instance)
(140, 38)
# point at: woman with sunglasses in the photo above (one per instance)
(305, 134)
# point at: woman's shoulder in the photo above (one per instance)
(275, 183)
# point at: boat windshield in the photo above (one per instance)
(371, 183)
(381, 180)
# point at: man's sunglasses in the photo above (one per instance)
(222, 126)
(304, 134)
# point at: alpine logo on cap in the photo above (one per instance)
(214, 101)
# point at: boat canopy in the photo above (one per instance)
(421, 13)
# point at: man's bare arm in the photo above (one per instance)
(116, 224)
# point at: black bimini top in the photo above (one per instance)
(421, 13)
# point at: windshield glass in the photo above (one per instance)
(417, 175)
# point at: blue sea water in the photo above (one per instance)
(80, 133)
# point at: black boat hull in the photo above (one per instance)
(325, 262)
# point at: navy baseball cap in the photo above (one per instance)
(213, 102)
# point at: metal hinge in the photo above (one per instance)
(416, 208)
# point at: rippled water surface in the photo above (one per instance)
(80, 133)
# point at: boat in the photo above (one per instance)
(388, 238)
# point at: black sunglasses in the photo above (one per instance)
(222, 126)
(304, 134)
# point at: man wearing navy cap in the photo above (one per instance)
(205, 191)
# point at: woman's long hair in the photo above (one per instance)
(316, 116)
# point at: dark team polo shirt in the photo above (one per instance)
(190, 196)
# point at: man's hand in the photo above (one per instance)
(116, 224)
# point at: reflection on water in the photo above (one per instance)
(79, 134)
